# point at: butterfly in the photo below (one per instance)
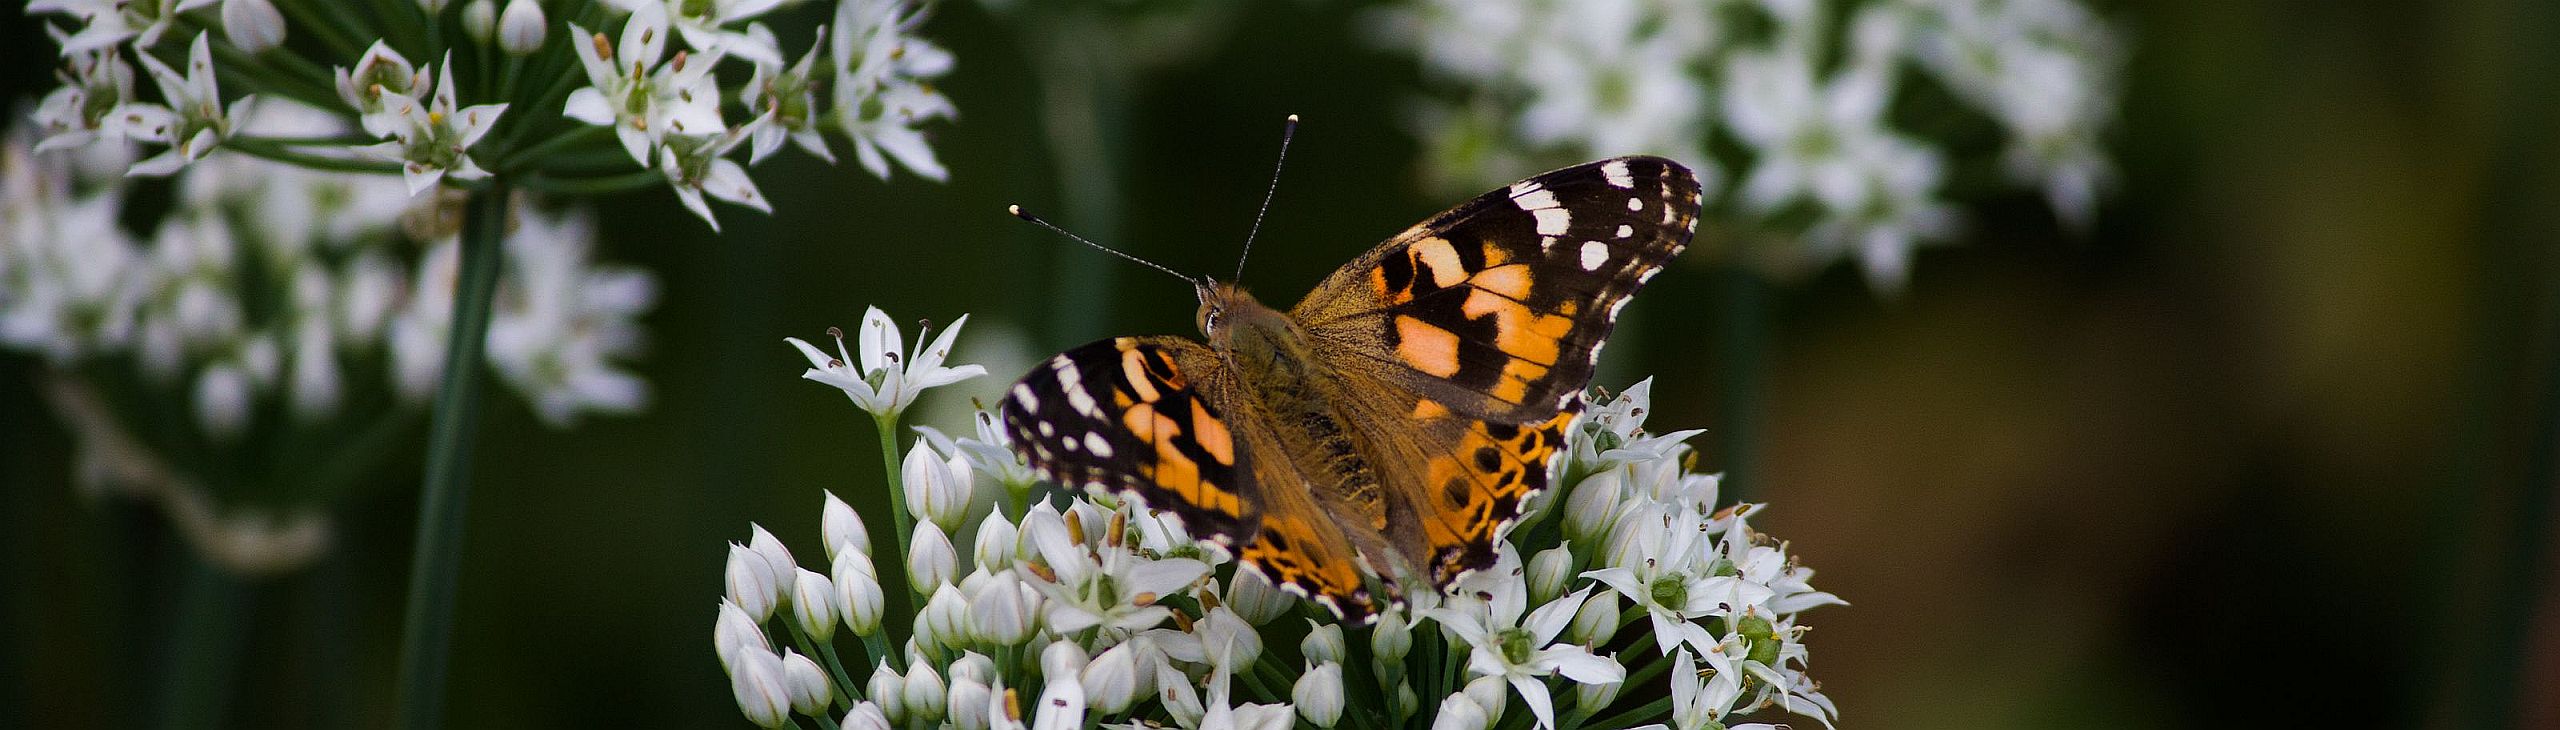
(1396, 419)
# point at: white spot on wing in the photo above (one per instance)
(1093, 442)
(1634, 204)
(1594, 253)
(1535, 200)
(1626, 231)
(1554, 221)
(1048, 430)
(1022, 393)
(1616, 173)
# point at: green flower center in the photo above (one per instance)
(1515, 645)
(1669, 592)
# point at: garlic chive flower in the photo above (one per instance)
(109, 22)
(192, 123)
(641, 98)
(789, 96)
(382, 71)
(882, 92)
(1520, 649)
(758, 683)
(94, 83)
(883, 380)
(703, 24)
(696, 165)
(435, 137)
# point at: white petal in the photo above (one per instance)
(1533, 692)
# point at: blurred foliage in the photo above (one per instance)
(2250, 453)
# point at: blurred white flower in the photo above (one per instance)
(82, 110)
(109, 22)
(564, 322)
(381, 71)
(1318, 694)
(253, 25)
(881, 90)
(884, 381)
(193, 119)
(703, 24)
(789, 96)
(697, 165)
(522, 27)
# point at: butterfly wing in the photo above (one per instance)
(1479, 329)
(1159, 420)
(1497, 308)
(1130, 416)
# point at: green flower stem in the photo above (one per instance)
(824, 723)
(890, 460)
(824, 651)
(595, 185)
(534, 155)
(426, 633)
(326, 21)
(1642, 712)
(877, 647)
(202, 666)
(279, 151)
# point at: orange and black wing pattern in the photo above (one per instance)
(1130, 416)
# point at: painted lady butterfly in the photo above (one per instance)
(1396, 418)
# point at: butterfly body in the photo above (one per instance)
(1393, 422)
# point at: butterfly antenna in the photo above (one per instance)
(1018, 212)
(1286, 133)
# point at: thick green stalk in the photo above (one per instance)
(890, 460)
(426, 635)
(203, 664)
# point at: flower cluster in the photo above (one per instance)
(1030, 608)
(1811, 103)
(266, 282)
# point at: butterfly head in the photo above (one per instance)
(1227, 311)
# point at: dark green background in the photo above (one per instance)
(2271, 445)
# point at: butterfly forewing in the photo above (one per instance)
(1130, 416)
(1498, 308)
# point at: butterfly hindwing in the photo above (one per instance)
(1498, 308)
(1131, 416)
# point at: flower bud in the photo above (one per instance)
(735, 631)
(813, 602)
(858, 593)
(888, 688)
(806, 684)
(1392, 638)
(1004, 614)
(1406, 701)
(1459, 713)
(1596, 695)
(865, 715)
(1061, 704)
(968, 703)
(937, 488)
(1318, 694)
(479, 20)
(993, 548)
(1592, 506)
(1111, 680)
(930, 558)
(775, 555)
(1488, 693)
(253, 25)
(1063, 660)
(752, 584)
(757, 681)
(521, 27)
(842, 527)
(944, 622)
(925, 695)
(1597, 622)
(433, 7)
(1548, 572)
(1323, 644)
(1229, 641)
(1253, 597)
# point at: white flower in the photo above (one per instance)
(880, 93)
(1548, 572)
(790, 97)
(1660, 564)
(994, 547)
(989, 453)
(435, 137)
(94, 84)
(567, 320)
(701, 23)
(884, 381)
(696, 165)
(1006, 611)
(108, 22)
(1253, 597)
(1112, 681)
(1104, 585)
(381, 71)
(643, 100)
(194, 120)
(1520, 651)
(968, 701)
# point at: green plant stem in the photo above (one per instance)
(876, 647)
(595, 185)
(204, 647)
(581, 134)
(326, 22)
(426, 633)
(1641, 712)
(277, 151)
(890, 460)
